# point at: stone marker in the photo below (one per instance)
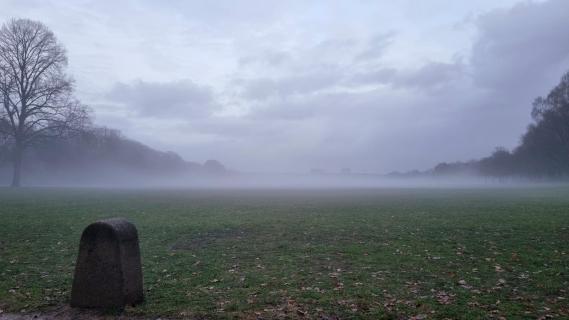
(108, 273)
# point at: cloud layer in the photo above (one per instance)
(375, 86)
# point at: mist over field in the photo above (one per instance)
(293, 159)
(142, 93)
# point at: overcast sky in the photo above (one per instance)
(291, 85)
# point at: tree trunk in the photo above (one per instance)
(18, 155)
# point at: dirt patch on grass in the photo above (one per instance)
(67, 313)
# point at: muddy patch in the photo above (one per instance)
(65, 312)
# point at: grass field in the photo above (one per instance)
(385, 253)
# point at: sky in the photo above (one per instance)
(286, 86)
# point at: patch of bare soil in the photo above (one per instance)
(67, 313)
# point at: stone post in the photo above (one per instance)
(108, 272)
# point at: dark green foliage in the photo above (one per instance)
(544, 149)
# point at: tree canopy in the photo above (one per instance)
(37, 101)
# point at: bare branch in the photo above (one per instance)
(35, 94)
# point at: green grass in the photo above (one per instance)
(385, 253)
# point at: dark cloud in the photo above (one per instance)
(376, 47)
(263, 88)
(379, 76)
(268, 58)
(165, 100)
(449, 110)
(521, 47)
(335, 44)
(434, 75)
(444, 112)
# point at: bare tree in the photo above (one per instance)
(36, 94)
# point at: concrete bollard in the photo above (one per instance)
(108, 272)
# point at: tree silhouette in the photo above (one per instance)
(36, 94)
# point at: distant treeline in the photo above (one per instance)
(46, 133)
(542, 154)
(99, 155)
